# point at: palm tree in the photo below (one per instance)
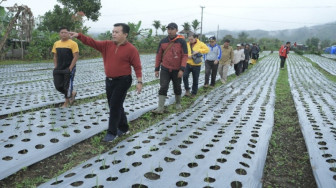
(157, 25)
(195, 25)
(163, 28)
(186, 28)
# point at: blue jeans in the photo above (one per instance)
(195, 70)
(116, 90)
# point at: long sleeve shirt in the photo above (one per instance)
(200, 47)
(227, 55)
(238, 56)
(117, 59)
(215, 53)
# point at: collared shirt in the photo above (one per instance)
(215, 53)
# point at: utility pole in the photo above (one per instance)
(217, 31)
(202, 7)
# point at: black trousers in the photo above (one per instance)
(245, 65)
(63, 81)
(165, 77)
(282, 64)
(210, 69)
(238, 67)
(116, 90)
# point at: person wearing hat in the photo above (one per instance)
(195, 47)
(225, 60)
(211, 62)
(170, 63)
(239, 57)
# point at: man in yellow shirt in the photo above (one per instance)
(195, 46)
(65, 57)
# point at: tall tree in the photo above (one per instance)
(156, 25)
(61, 17)
(195, 25)
(242, 37)
(89, 7)
(163, 29)
(186, 28)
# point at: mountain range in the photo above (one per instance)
(300, 35)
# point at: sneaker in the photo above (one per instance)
(109, 137)
(121, 133)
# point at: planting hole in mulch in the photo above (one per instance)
(162, 143)
(205, 150)
(244, 164)
(181, 184)
(116, 162)
(104, 167)
(209, 179)
(136, 147)
(77, 183)
(169, 159)
(215, 167)
(113, 152)
(54, 140)
(225, 152)
(241, 171)
(7, 158)
(333, 169)
(199, 156)
(236, 184)
(87, 165)
(176, 152)
(182, 146)
(24, 151)
(247, 156)
(139, 186)
(57, 182)
(152, 176)
(331, 160)
(111, 178)
(145, 156)
(158, 169)
(123, 170)
(130, 153)
(192, 165)
(9, 145)
(221, 160)
(39, 146)
(135, 164)
(90, 176)
(70, 175)
(185, 174)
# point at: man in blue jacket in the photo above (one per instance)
(211, 62)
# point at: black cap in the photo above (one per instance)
(172, 25)
(212, 38)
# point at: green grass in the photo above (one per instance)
(287, 154)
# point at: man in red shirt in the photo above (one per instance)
(119, 56)
(283, 51)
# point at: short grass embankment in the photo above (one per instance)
(287, 162)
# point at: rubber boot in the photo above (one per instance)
(178, 102)
(160, 109)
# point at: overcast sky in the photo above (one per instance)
(231, 15)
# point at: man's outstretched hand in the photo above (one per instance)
(73, 34)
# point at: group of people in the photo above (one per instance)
(175, 60)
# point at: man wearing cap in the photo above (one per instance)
(225, 61)
(170, 63)
(211, 62)
(238, 59)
